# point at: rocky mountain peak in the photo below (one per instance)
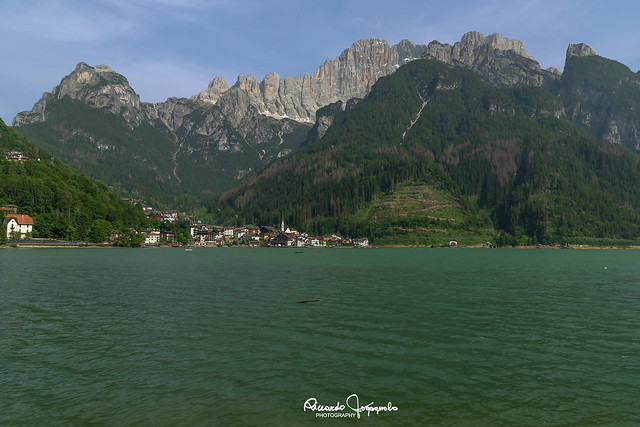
(501, 61)
(474, 40)
(579, 49)
(213, 92)
(496, 42)
(98, 87)
(247, 83)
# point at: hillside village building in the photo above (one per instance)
(9, 209)
(151, 236)
(17, 223)
(16, 156)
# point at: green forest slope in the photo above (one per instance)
(505, 160)
(64, 203)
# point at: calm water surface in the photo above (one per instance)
(215, 336)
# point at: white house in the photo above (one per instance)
(17, 223)
(169, 216)
(152, 237)
(317, 243)
(362, 241)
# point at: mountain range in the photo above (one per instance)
(376, 125)
(211, 141)
(203, 144)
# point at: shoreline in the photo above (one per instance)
(90, 245)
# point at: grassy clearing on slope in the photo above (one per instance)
(419, 214)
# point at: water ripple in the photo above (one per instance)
(216, 336)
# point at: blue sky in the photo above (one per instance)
(175, 47)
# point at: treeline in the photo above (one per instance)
(503, 151)
(64, 203)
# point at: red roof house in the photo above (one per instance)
(17, 223)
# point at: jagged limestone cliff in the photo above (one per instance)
(502, 62)
(350, 75)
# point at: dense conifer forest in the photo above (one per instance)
(509, 160)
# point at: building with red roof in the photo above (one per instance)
(17, 223)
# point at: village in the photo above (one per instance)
(20, 227)
(247, 235)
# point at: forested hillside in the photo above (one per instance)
(133, 160)
(64, 203)
(603, 96)
(510, 162)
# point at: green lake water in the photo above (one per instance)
(215, 336)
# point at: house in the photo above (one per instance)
(15, 225)
(299, 242)
(151, 236)
(194, 227)
(9, 208)
(16, 156)
(167, 235)
(240, 232)
(171, 216)
(252, 238)
(282, 239)
(362, 241)
(267, 232)
(200, 234)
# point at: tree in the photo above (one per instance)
(129, 238)
(100, 230)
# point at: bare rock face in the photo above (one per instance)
(501, 61)
(504, 62)
(173, 112)
(350, 75)
(211, 94)
(99, 87)
(579, 49)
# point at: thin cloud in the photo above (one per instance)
(58, 21)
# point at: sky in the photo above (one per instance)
(175, 47)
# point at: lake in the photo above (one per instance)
(218, 336)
